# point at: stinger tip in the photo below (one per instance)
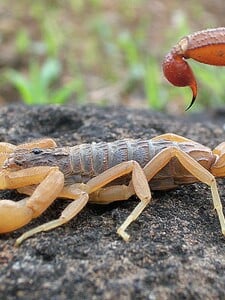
(194, 89)
(192, 102)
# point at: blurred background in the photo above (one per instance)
(104, 52)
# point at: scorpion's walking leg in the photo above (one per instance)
(80, 200)
(151, 169)
(42, 143)
(171, 137)
(203, 175)
(5, 150)
(79, 192)
(139, 186)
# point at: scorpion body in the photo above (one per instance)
(101, 173)
(83, 162)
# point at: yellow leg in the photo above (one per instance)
(203, 175)
(42, 143)
(171, 137)
(80, 200)
(113, 193)
(5, 150)
(139, 186)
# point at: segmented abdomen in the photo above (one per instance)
(89, 160)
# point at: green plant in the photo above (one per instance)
(22, 41)
(132, 55)
(152, 85)
(38, 86)
(144, 70)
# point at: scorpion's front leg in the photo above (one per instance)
(14, 215)
(70, 192)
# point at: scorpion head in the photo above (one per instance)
(27, 158)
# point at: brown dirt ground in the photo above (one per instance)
(176, 251)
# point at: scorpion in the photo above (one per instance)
(206, 46)
(101, 173)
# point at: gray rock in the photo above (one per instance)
(176, 250)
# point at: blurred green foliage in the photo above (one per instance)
(37, 87)
(73, 48)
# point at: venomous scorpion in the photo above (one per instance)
(206, 46)
(90, 172)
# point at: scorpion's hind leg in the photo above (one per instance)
(139, 186)
(197, 170)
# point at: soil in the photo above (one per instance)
(176, 250)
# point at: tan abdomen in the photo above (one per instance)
(89, 160)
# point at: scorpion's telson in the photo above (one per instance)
(101, 173)
(206, 46)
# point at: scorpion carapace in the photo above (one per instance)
(206, 46)
(90, 172)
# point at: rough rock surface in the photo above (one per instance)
(176, 250)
